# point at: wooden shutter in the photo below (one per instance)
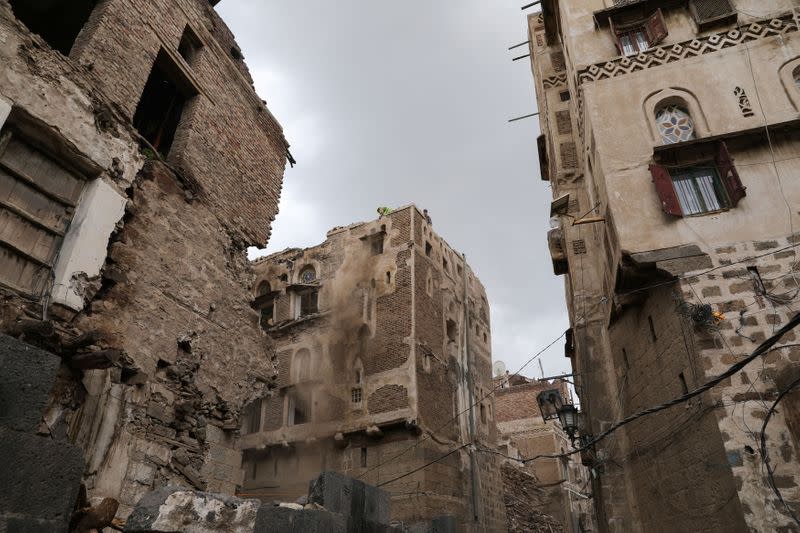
(615, 35)
(656, 28)
(665, 190)
(729, 176)
(37, 201)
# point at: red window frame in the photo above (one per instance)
(665, 188)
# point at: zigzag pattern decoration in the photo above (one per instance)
(662, 55)
(556, 80)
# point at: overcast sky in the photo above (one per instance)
(391, 103)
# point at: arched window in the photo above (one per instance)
(301, 368)
(674, 124)
(308, 275)
(263, 288)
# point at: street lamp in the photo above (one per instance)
(550, 403)
(568, 416)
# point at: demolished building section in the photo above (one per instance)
(137, 164)
(670, 141)
(561, 485)
(383, 341)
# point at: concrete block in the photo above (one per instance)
(25, 383)
(40, 479)
(285, 520)
(363, 506)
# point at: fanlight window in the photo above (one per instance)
(308, 275)
(674, 124)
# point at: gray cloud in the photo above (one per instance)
(396, 103)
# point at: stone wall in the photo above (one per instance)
(150, 312)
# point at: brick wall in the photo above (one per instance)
(227, 141)
(388, 398)
(673, 446)
(170, 304)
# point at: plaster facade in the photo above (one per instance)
(645, 270)
(125, 229)
(382, 336)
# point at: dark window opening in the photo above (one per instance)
(58, 23)
(388, 277)
(452, 331)
(267, 319)
(684, 386)
(444, 263)
(428, 249)
(189, 46)
(299, 411)
(459, 270)
(564, 95)
(652, 328)
(263, 288)
(161, 105)
(253, 417)
(376, 244)
(485, 337)
(363, 457)
(309, 303)
(483, 414)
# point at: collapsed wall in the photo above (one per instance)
(125, 229)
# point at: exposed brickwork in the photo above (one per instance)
(388, 398)
(376, 311)
(168, 351)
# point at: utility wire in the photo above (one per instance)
(764, 347)
(426, 465)
(430, 433)
(765, 455)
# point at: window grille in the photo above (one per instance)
(708, 11)
(356, 395)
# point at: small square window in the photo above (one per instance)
(428, 249)
(564, 95)
(356, 395)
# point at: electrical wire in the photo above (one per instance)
(457, 415)
(762, 348)
(765, 455)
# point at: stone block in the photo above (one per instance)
(666, 254)
(173, 509)
(285, 520)
(364, 507)
(25, 383)
(40, 479)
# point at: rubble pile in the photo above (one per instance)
(523, 502)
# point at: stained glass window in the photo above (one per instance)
(308, 275)
(674, 124)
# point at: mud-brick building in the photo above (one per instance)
(563, 481)
(670, 140)
(382, 335)
(137, 164)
